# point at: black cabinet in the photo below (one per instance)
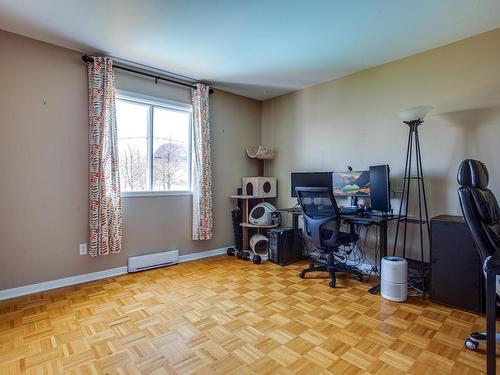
(456, 270)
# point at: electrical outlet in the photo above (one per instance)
(83, 249)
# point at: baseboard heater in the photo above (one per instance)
(155, 260)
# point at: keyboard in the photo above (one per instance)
(362, 222)
(348, 210)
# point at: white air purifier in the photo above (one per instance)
(394, 279)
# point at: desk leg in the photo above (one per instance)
(382, 229)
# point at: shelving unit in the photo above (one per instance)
(260, 154)
(248, 225)
(245, 225)
(244, 197)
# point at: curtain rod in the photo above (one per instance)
(156, 77)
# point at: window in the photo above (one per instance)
(154, 145)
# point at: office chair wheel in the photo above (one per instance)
(239, 254)
(332, 284)
(256, 259)
(245, 255)
(231, 251)
(471, 344)
(302, 274)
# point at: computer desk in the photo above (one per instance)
(380, 221)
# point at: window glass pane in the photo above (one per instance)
(170, 149)
(132, 125)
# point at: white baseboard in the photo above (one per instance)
(203, 254)
(72, 280)
(59, 283)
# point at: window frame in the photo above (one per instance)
(171, 105)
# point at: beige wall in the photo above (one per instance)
(352, 121)
(43, 146)
(43, 164)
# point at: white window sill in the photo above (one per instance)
(138, 194)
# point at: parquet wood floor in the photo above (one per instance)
(226, 316)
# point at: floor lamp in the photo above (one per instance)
(413, 117)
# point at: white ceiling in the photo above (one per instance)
(256, 48)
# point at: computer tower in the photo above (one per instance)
(284, 246)
(457, 279)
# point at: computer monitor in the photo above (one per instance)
(351, 184)
(380, 188)
(310, 179)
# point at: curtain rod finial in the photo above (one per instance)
(87, 58)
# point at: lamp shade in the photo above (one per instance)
(415, 113)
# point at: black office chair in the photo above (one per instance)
(322, 227)
(482, 215)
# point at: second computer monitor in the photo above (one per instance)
(351, 184)
(380, 187)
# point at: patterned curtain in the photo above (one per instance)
(201, 168)
(105, 206)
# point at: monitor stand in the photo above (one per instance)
(354, 201)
